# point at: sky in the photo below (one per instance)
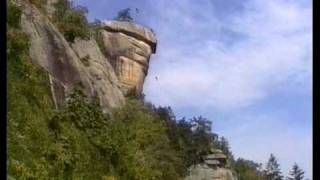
(245, 65)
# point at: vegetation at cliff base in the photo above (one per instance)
(138, 141)
(248, 170)
(29, 105)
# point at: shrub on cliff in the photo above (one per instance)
(130, 144)
(191, 138)
(71, 20)
(29, 106)
(248, 170)
(13, 15)
(80, 142)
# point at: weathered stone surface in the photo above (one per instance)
(50, 50)
(204, 172)
(122, 67)
(50, 7)
(102, 75)
(214, 167)
(133, 30)
(128, 47)
(216, 156)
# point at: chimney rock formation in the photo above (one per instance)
(107, 74)
(128, 47)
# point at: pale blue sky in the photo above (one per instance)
(245, 65)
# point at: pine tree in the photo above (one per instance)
(296, 173)
(272, 171)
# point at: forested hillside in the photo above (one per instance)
(138, 141)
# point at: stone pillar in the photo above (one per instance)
(128, 46)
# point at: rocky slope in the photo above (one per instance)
(108, 75)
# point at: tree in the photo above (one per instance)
(272, 171)
(124, 15)
(202, 137)
(247, 170)
(223, 144)
(296, 173)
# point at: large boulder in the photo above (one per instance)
(205, 172)
(128, 46)
(213, 167)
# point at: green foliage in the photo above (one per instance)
(296, 173)
(223, 144)
(150, 146)
(71, 20)
(13, 15)
(192, 138)
(272, 170)
(130, 144)
(79, 141)
(248, 170)
(124, 15)
(29, 107)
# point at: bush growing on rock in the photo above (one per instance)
(13, 15)
(71, 20)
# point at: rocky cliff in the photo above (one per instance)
(109, 71)
(214, 166)
(128, 46)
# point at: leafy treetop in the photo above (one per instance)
(124, 15)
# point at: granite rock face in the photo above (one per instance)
(128, 46)
(49, 7)
(108, 74)
(214, 167)
(204, 172)
(50, 50)
(103, 79)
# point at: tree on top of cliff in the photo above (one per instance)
(124, 15)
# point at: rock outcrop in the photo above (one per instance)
(103, 79)
(213, 167)
(129, 47)
(121, 67)
(50, 50)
